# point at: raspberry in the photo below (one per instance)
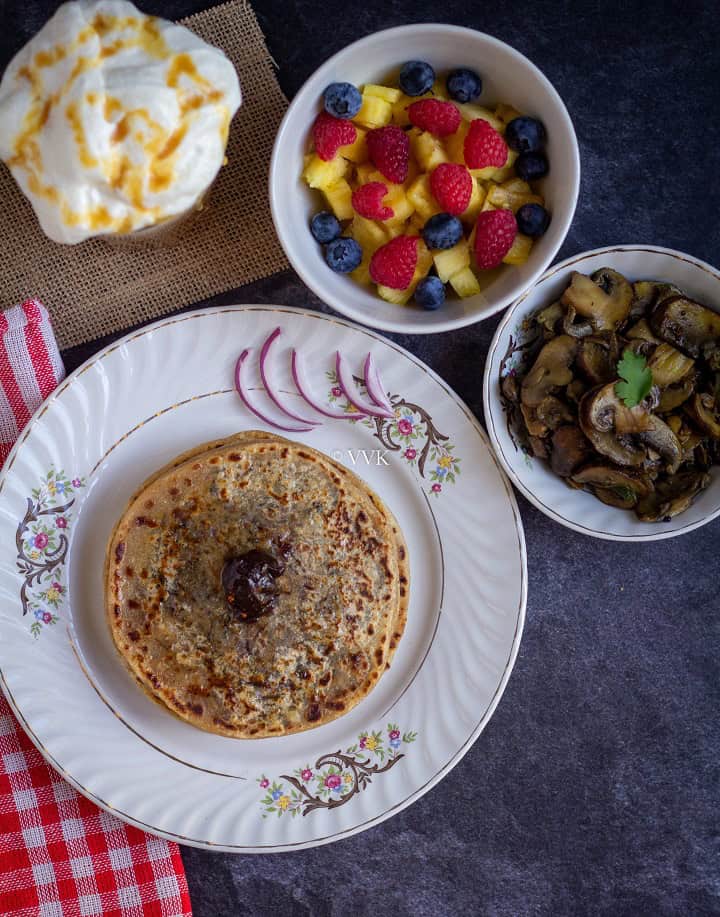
(494, 235)
(389, 149)
(484, 146)
(439, 118)
(367, 201)
(329, 134)
(393, 265)
(451, 186)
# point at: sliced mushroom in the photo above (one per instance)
(603, 299)
(675, 395)
(605, 412)
(647, 294)
(703, 411)
(669, 365)
(573, 328)
(661, 438)
(550, 316)
(533, 424)
(641, 331)
(540, 448)
(510, 388)
(615, 486)
(553, 412)
(550, 371)
(575, 390)
(687, 325)
(597, 359)
(672, 497)
(570, 448)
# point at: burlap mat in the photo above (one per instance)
(95, 288)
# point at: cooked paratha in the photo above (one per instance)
(256, 587)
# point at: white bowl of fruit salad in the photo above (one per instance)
(423, 178)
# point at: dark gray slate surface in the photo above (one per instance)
(594, 790)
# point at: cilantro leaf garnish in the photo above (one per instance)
(636, 379)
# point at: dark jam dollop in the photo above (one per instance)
(250, 584)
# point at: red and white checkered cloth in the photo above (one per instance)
(61, 856)
(30, 367)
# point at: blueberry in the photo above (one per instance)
(530, 166)
(526, 135)
(416, 78)
(442, 231)
(343, 255)
(342, 100)
(464, 85)
(430, 293)
(532, 220)
(324, 227)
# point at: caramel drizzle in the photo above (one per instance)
(161, 147)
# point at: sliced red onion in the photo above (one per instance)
(349, 389)
(300, 378)
(272, 393)
(374, 385)
(243, 391)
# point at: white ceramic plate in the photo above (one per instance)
(127, 412)
(574, 508)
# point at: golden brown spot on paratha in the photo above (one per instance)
(312, 714)
(132, 603)
(141, 521)
(149, 504)
(119, 551)
(133, 635)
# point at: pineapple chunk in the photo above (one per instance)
(421, 197)
(428, 150)
(319, 173)
(394, 229)
(374, 112)
(472, 112)
(490, 173)
(401, 205)
(339, 196)
(364, 171)
(367, 233)
(487, 206)
(362, 272)
(476, 201)
(519, 250)
(439, 91)
(452, 260)
(382, 92)
(455, 144)
(356, 152)
(510, 199)
(506, 113)
(465, 283)
(399, 297)
(424, 262)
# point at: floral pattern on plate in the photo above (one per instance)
(412, 433)
(42, 543)
(337, 777)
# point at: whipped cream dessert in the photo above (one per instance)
(111, 120)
